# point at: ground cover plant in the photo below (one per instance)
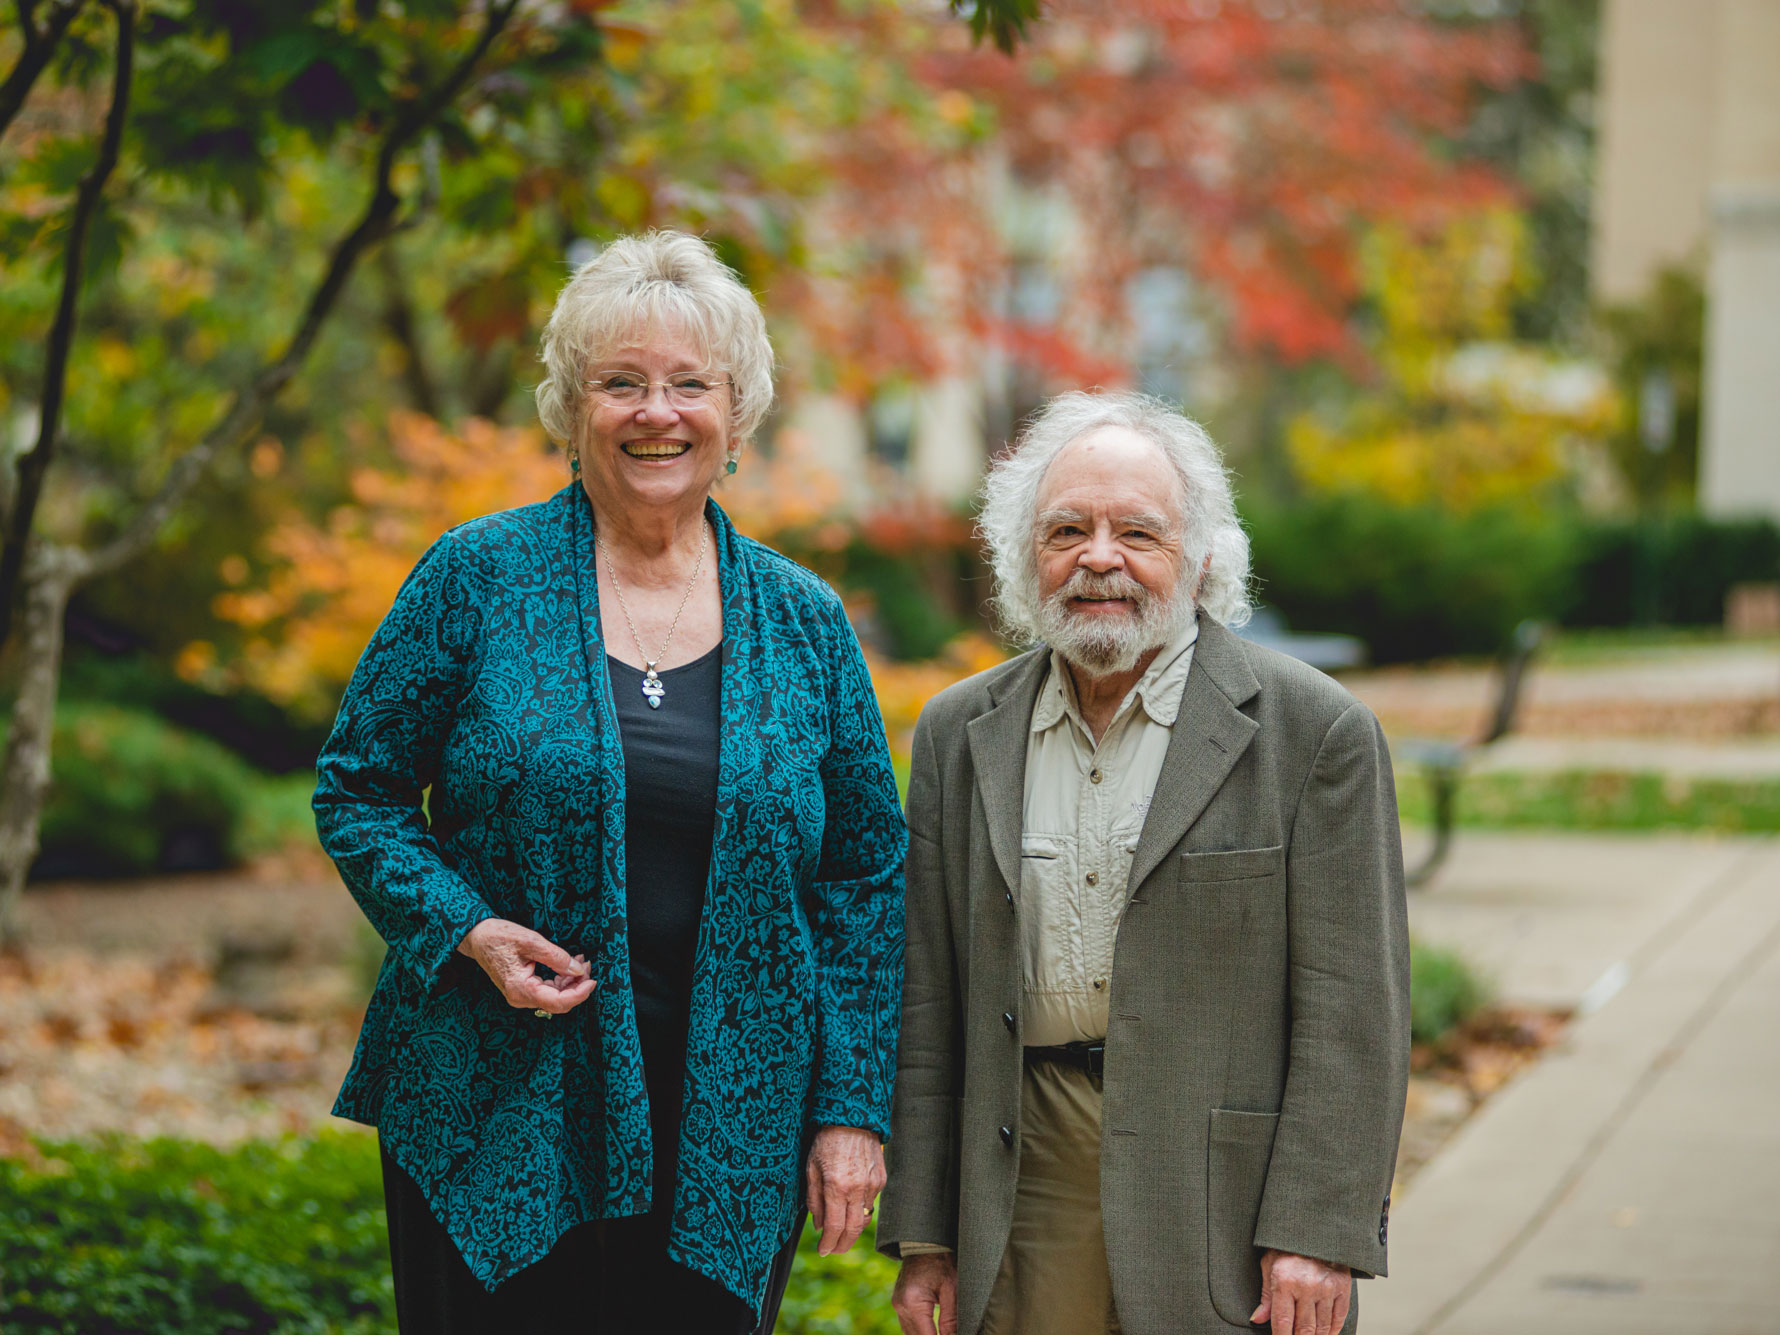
(173, 1237)
(1444, 992)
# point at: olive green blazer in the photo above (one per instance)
(1258, 1046)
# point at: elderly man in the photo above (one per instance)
(1155, 1029)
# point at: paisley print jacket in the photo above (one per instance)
(487, 685)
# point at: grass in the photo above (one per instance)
(1596, 800)
(1586, 648)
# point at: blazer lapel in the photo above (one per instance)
(998, 755)
(1210, 735)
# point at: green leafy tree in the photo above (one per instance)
(202, 199)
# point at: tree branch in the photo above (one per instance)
(398, 319)
(250, 404)
(35, 463)
(39, 45)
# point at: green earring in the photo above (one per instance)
(731, 468)
(575, 464)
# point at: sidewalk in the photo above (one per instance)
(1631, 1181)
(1677, 758)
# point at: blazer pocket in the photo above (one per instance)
(1241, 864)
(1241, 1147)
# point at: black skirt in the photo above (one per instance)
(608, 1276)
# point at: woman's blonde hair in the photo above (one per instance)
(660, 282)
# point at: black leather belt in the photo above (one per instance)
(1089, 1057)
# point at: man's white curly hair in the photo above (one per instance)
(1209, 524)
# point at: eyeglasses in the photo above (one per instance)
(629, 389)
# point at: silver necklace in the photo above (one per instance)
(653, 691)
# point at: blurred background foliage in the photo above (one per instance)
(1385, 313)
(1352, 237)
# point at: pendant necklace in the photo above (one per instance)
(653, 691)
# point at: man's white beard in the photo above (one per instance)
(1103, 646)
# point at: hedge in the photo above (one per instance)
(169, 1237)
(1420, 582)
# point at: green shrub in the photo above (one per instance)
(174, 1238)
(848, 1294)
(1444, 992)
(1418, 582)
(131, 793)
(1412, 582)
(276, 813)
(170, 1237)
(1670, 572)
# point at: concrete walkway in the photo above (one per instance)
(1681, 759)
(1630, 1182)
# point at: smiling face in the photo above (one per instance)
(1109, 546)
(653, 455)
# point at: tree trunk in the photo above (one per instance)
(50, 576)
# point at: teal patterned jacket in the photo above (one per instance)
(487, 684)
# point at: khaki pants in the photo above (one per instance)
(1053, 1278)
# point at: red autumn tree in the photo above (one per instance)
(1250, 143)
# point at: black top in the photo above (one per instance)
(670, 814)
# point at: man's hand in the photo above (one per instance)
(1301, 1295)
(844, 1174)
(509, 954)
(925, 1282)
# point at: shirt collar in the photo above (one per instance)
(1158, 690)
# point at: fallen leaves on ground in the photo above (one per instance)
(150, 1047)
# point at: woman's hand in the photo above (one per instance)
(844, 1175)
(509, 954)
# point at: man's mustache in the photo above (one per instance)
(1087, 584)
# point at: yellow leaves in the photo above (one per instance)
(1463, 463)
(624, 198)
(956, 108)
(1460, 283)
(116, 359)
(1464, 417)
(196, 662)
(904, 689)
(624, 46)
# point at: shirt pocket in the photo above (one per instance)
(1050, 914)
(1121, 849)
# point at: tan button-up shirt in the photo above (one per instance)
(1084, 809)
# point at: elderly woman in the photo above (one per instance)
(611, 782)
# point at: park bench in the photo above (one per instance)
(1444, 763)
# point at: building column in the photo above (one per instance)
(1740, 427)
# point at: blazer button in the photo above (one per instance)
(1007, 1136)
(1007, 1018)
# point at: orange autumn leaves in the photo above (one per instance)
(330, 582)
